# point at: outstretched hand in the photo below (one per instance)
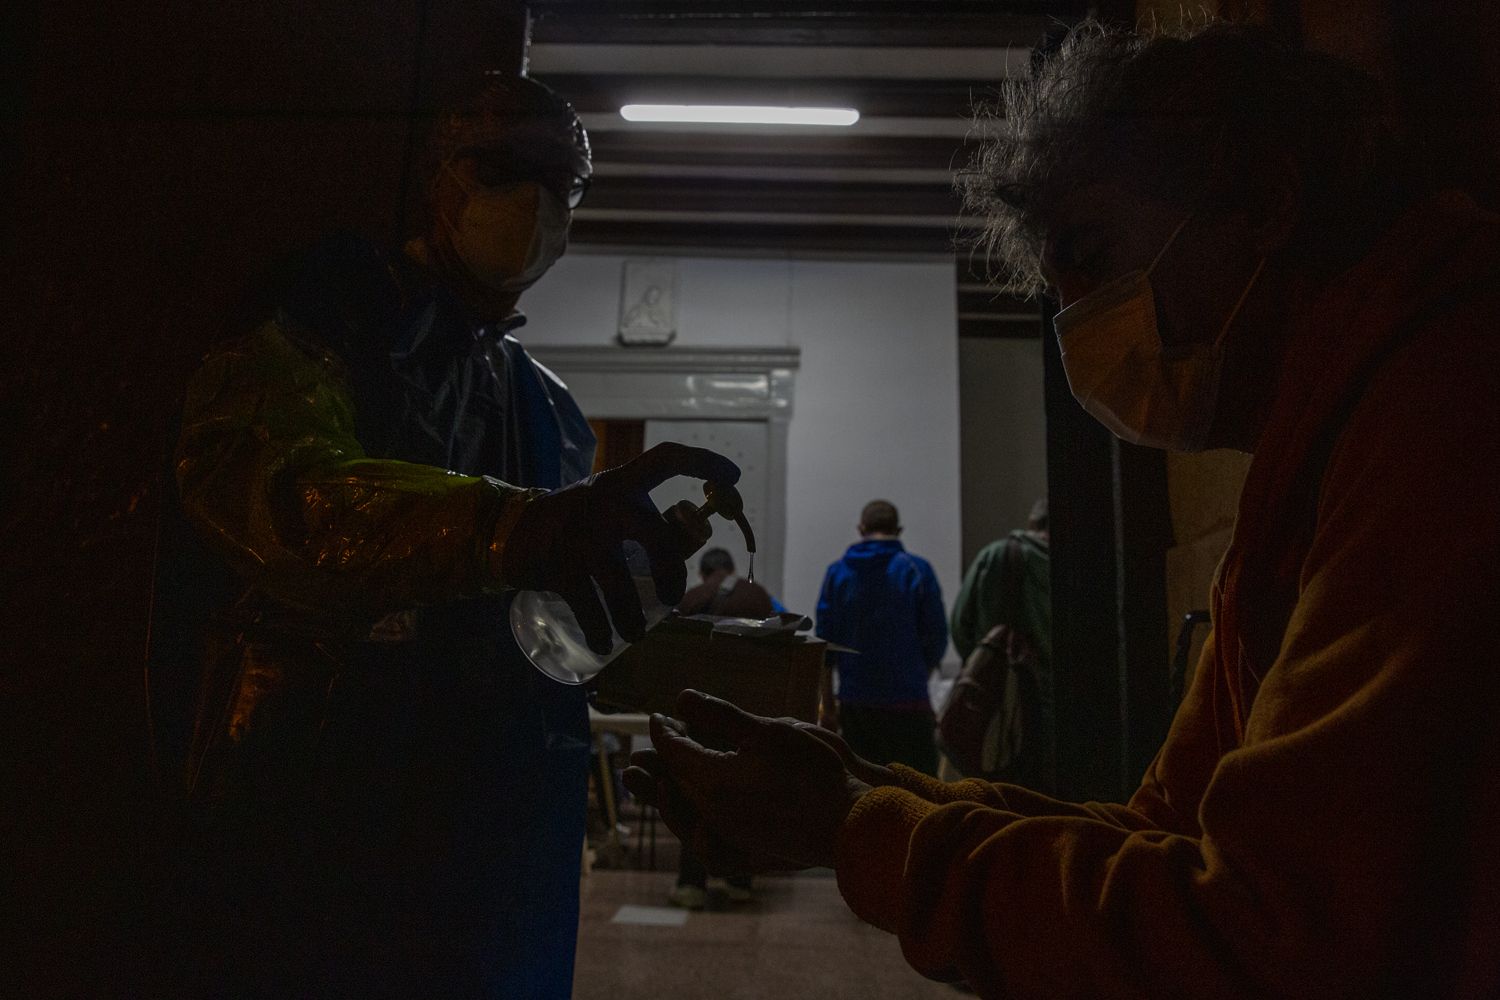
(572, 539)
(745, 793)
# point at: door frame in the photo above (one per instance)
(695, 383)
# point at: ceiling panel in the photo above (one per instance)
(914, 70)
(853, 23)
(782, 62)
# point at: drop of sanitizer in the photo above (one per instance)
(750, 572)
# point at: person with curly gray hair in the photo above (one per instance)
(1242, 259)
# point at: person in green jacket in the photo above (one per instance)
(982, 600)
(989, 597)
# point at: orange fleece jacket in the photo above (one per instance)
(1324, 818)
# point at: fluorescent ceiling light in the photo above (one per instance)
(718, 114)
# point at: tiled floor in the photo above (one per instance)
(797, 940)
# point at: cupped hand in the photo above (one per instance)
(572, 539)
(746, 793)
(870, 773)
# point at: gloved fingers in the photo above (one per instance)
(648, 760)
(579, 592)
(642, 783)
(676, 725)
(827, 736)
(621, 596)
(869, 772)
(715, 722)
(685, 761)
(664, 548)
(676, 811)
(671, 458)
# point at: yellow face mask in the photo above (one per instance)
(1121, 372)
(508, 237)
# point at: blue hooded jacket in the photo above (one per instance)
(886, 603)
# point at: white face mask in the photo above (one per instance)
(1120, 371)
(507, 238)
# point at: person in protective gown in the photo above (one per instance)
(386, 797)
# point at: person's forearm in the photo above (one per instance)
(1043, 907)
(1009, 798)
(1187, 892)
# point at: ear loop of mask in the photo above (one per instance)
(464, 186)
(1254, 276)
(1167, 245)
(1239, 303)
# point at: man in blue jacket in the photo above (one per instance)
(884, 602)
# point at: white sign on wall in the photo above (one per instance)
(648, 302)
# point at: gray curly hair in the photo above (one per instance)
(1203, 116)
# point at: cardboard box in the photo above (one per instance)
(766, 671)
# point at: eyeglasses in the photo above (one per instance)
(500, 167)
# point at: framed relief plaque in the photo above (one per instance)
(648, 303)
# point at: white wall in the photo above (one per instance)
(876, 410)
(1003, 436)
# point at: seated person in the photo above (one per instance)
(725, 594)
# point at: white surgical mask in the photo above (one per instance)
(1120, 371)
(490, 233)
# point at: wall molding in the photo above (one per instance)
(586, 357)
(677, 382)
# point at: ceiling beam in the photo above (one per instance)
(716, 195)
(977, 22)
(923, 177)
(969, 61)
(823, 151)
(674, 236)
(598, 93)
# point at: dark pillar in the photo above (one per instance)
(1143, 534)
(1110, 534)
(1085, 632)
(163, 156)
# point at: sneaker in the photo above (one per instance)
(689, 897)
(739, 893)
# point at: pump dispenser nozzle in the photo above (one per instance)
(546, 629)
(721, 499)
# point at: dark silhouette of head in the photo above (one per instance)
(715, 561)
(879, 517)
(1038, 519)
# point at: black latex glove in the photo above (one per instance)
(572, 538)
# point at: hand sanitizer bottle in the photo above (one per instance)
(546, 629)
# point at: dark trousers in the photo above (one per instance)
(884, 735)
(690, 871)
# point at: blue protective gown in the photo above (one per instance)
(389, 800)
